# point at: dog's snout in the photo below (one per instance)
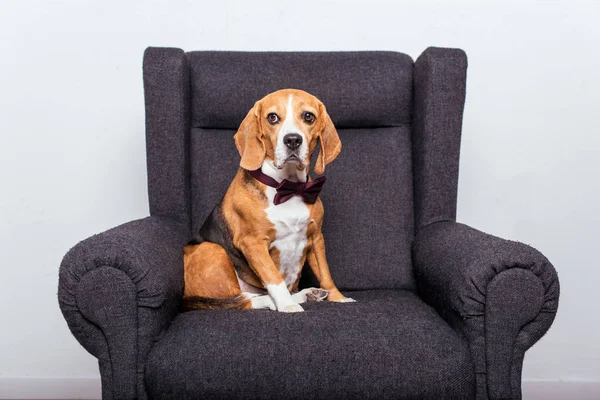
(292, 141)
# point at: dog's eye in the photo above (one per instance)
(308, 117)
(273, 118)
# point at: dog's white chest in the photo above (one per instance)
(291, 220)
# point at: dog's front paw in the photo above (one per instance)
(337, 297)
(290, 308)
(346, 300)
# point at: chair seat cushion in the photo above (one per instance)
(389, 344)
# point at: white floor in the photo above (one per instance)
(561, 390)
(89, 388)
(50, 388)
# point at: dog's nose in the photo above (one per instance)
(292, 141)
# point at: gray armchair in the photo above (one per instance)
(443, 311)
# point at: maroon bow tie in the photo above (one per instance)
(309, 191)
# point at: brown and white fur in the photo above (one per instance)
(249, 253)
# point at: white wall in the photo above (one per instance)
(72, 145)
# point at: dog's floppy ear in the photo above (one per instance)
(249, 142)
(331, 145)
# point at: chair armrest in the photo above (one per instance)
(502, 296)
(118, 291)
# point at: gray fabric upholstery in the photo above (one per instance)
(214, 162)
(501, 295)
(359, 89)
(368, 223)
(387, 345)
(106, 296)
(167, 97)
(397, 175)
(119, 290)
(440, 81)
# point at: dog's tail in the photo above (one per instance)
(237, 302)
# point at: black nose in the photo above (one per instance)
(292, 141)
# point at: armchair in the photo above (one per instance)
(443, 311)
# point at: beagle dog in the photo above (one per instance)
(250, 251)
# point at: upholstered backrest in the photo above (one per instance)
(360, 89)
(368, 225)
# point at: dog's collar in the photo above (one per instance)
(309, 190)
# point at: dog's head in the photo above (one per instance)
(284, 127)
